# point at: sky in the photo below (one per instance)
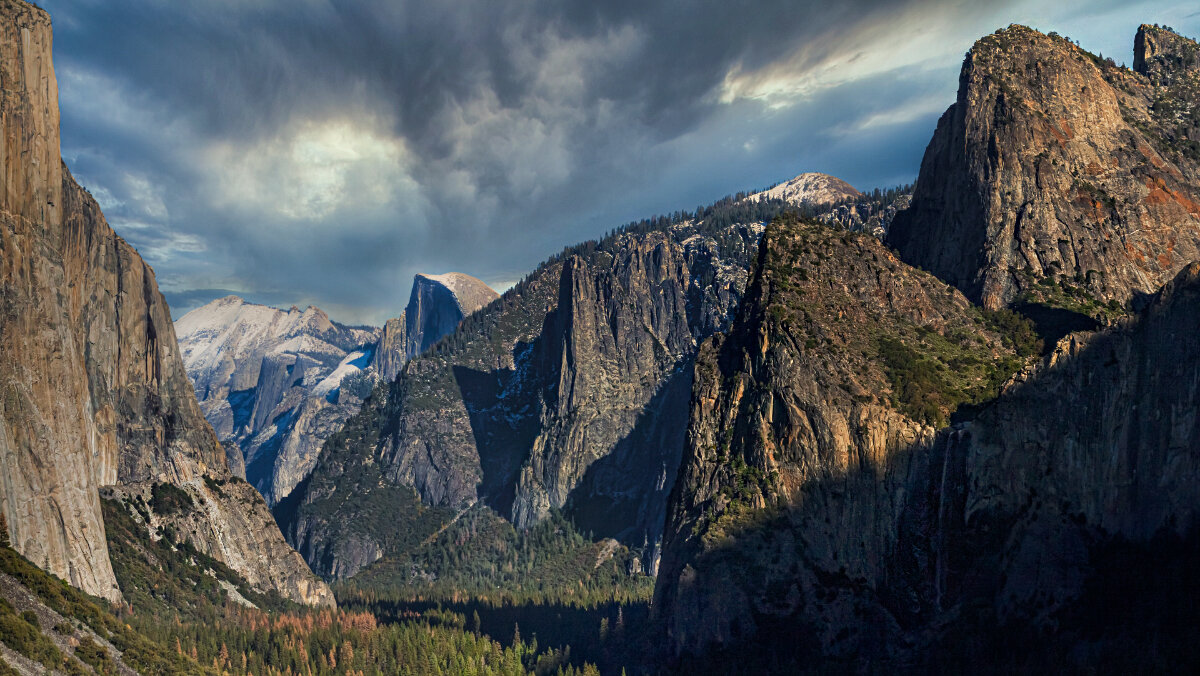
(323, 152)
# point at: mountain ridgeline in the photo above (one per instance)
(275, 384)
(93, 392)
(544, 400)
(880, 474)
(568, 395)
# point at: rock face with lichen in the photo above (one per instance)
(92, 387)
(1057, 167)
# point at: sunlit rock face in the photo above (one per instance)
(436, 306)
(810, 189)
(820, 514)
(1055, 165)
(92, 388)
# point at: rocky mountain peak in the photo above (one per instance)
(437, 304)
(1162, 54)
(270, 383)
(1056, 174)
(812, 396)
(811, 189)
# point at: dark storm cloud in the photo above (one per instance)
(318, 151)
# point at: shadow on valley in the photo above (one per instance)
(503, 427)
(623, 495)
(612, 636)
(984, 552)
(1054, 323)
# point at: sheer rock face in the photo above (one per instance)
(806, 500)
(269, 382)
(1054, 164)
(436, 306)
(797, 461)
(1120, 457)
(391, 355)
(873, 540)
(92, 388)
(621, 325)
(51, 446)
(568, 392)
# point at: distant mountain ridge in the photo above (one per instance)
(270, 381)
(567, 393)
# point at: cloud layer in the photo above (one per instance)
(320, 151)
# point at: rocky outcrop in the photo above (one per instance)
(437, 304)
(1056, 165)
(92, 388)
(270, 383)
(620, 329)
(391, 355)
(1121, 458)
(225, 519)
(806, 428)
(564, 394)
(1164, 56)
(872, 215)
(809, 189)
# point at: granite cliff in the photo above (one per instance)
(825, 511)
(437, 304)
(275, 384)
(1056, 171)
(566, 394)
(94, 392)
(804, 434)
(879, 474)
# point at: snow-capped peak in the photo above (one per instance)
(812, 188)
